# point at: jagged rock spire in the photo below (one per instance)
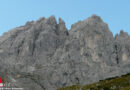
(61, 25)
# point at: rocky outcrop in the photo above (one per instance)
(44, 55)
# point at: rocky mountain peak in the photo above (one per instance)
(61, 25)
(48, 21)
(94, 18)
(93, 21)
(52, 20)
(94, 26)
(61, 21)
(122, 36)
(122, 33)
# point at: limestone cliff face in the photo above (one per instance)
(44, 55)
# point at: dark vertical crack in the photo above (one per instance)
(117, 53)
(20, 46)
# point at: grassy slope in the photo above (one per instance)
(117, 83)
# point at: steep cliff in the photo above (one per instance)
(44, 55)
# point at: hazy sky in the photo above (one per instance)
(14, 13)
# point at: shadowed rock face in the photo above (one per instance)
(44, 55)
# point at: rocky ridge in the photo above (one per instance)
(44, 55)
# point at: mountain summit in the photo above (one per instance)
(44, 55)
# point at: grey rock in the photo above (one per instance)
(44, 55)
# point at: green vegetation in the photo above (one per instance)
(116, 83)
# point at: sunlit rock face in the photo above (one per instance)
(44, 55)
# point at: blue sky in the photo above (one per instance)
(14, 13)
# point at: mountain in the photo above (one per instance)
(44, 55)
